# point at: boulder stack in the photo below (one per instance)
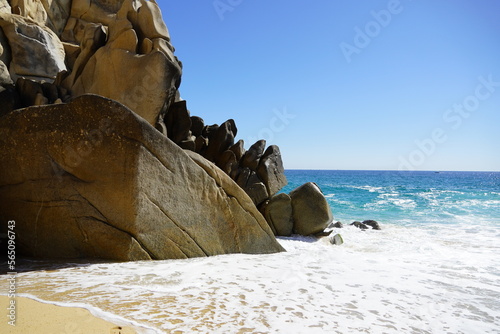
(84, 46)
(100, 156)
(259, 171)
(305, 211)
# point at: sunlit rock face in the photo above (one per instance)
(125, 54)
(116, 49)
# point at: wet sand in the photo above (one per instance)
(37, 317)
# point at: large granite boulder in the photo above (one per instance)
(238, 149)
(92, 179)
(278, 212)
(252, 157)
(222, 140)
(311, 212)
(305, 211)
(36, 50)
(178, 122)
(271, 170)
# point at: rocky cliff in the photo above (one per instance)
(99, 155)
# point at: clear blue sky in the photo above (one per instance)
(370, 84)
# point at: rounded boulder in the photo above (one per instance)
(311, 212)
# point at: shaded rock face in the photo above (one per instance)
(91, 179)
(270, 170)
(9, 99)
(278, 212)
(366, 224)
(359, 225)
(304, 211)
(26, 38)
(374, 224)
(311, 212)
(336, 225)
(259, 171)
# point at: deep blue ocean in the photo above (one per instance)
(407, 198)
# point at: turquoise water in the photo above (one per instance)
(407, 198)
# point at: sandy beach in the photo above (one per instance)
(37, 317)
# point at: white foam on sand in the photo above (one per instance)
(432, 279)
(96, 312)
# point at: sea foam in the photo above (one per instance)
(400, 279)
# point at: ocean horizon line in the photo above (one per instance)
(391, 170)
